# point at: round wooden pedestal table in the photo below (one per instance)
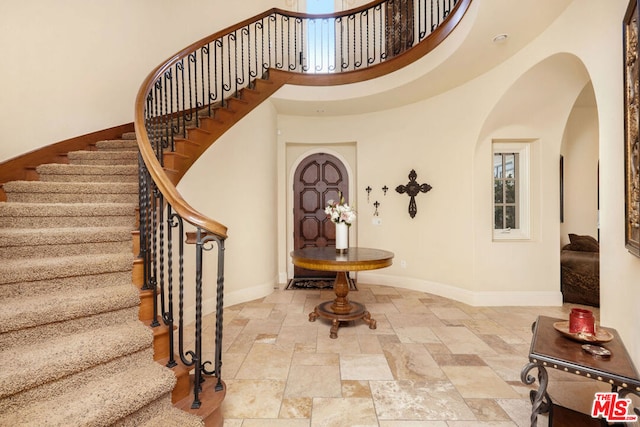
(355, 259)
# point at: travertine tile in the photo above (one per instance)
(431, 362)
(266, 362)
(402, 423)
(416, 334)
(353, 388)
(412, 362)
(461, 340)
(487, 410)
(419, 400)
(364, 367)
(316, 381)
(341, 412)
(265, 397)
(276, 423)
(478, 382)
(296, 407)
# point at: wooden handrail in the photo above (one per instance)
(164, 184)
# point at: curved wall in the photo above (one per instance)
(448, 247)
(235, 183)
(72, 67)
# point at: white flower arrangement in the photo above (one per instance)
(340, 212)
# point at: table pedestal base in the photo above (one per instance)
(357, 311)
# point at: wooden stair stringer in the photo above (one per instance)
(199, 139)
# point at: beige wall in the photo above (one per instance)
(580, 153)
(234, 182)
(448, 247)
(72, 67)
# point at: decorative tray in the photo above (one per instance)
(601, 335)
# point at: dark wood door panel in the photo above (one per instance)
(319, 178)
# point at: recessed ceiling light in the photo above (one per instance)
(500, 38)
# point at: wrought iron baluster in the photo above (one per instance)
(206, 93)
(161, 261)
(198, 324)
(153, 281)
(167, 315)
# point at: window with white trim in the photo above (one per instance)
(511, 190)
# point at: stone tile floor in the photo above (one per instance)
(431, 362)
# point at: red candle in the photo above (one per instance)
(581, 321)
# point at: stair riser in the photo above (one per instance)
(43, 251)
(70, 198)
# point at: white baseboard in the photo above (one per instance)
(283, 278)
(234, 297)
(476, 299)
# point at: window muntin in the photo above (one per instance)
(511, 195)
(505, 191)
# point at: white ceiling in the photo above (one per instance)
(439, 71)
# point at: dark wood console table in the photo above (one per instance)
(327, 259)
(551, 349)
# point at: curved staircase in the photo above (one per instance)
(73, 349)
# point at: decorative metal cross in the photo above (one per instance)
(413, 189)
(377, 205)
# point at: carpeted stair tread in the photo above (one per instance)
(25, 215)
(50, 360)
(71, 192)
(13, 271)
(96, 173)
(129, 135)
(26, 337)
(61, 386)
(100, 403)
(60, 210)
(103, 157)
(71, 284)
(57, 242)
(117, 145)
(29, 312)
(62, 236)
(70, 187)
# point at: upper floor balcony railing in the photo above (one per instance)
(339, 48)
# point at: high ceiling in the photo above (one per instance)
(466, 54)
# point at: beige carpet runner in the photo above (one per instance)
(72, 350)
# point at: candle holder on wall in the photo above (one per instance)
(385, 189)
(377, 205)
(368, 190)
(413, 189)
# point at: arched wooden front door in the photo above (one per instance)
(318, 178)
